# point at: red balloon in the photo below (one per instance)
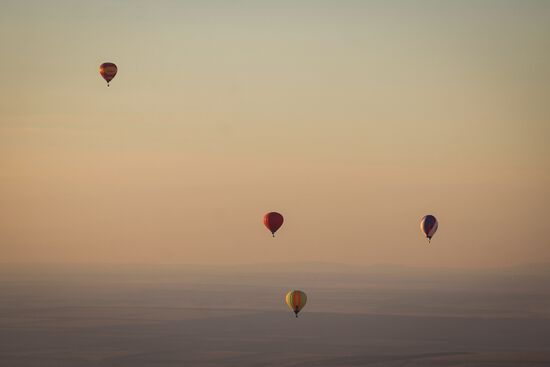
(108, 71)
(273, 221)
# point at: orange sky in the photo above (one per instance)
(353, 119)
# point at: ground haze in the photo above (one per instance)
(235, 316)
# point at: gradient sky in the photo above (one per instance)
(352, 118)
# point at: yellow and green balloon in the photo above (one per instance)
(296, 300)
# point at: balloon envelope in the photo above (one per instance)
(296, 300)
(273, 221)
(108, 71)
(429, 226)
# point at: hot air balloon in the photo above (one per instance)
(296, 300)
(273, 221)
(429, 226)
(108, 71)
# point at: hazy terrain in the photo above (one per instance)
(235, 316)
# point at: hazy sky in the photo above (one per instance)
(352, 118)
